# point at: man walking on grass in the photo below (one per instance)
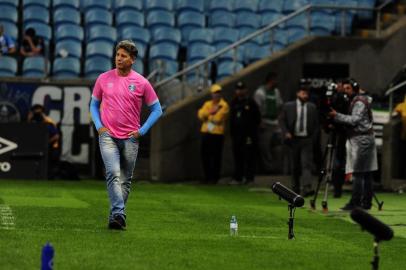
(121, 91)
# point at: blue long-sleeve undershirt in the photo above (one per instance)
(95, 113)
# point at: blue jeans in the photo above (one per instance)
(119, 156)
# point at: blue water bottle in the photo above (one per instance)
(47, 257)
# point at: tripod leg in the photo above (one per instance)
(380, 204)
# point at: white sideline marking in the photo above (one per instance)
(6, 218)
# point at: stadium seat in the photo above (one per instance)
(190, 5)
(199, 51)
(365, 14)
(167, 67)
(279, 38)
(293, 5)
(129, 18)
(167, 35)
(42, 30)
(270, 6)
(103, 33)
(98, 16)
(8, 66)
(270, 17)
(247, 19)
(322, 23)
(69, 32)
(325, 3)
(221, 5)
(236, 54)
(158, 18)
(35, 3)
(95, 66)
(139, 67)
(163, 51)
(295, 34)
(64, 15)
(130, 5)
(137, 34)
(254, 53)
(299, 21)
(221, 18)
(227, 35)
(99, 48)
(66, 68)
(246, 32)
(8, 14)
(347, 18)
(246, 6)
(33, 14)
(34, 67)
(96, 4)
(189, 21)
(64, 4)
(159, 5)
(203, 35)
(71, 47)
(9, 3)
(228, 68)
(10, 29)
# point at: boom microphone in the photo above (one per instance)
(374, 226)
(287, 194)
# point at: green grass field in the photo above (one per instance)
(183, 226)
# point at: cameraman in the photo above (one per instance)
(361, 155)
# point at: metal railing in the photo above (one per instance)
(306, 9)
(391, 91)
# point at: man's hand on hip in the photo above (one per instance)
(102, 130)
(135, 134)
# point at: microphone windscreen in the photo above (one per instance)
(287, 194)
(374, 226)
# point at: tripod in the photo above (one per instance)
(291, 208)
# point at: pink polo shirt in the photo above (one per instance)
(121, 101)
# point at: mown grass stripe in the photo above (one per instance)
(7, 220)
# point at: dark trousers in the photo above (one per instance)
(211, 151)
(244, 159)
(338, 175)
(362, 189)
(302, 163)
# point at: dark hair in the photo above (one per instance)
(304, 84)
(37, 107)
(129, 47)
(270, 76)
(30, 32)
(354, 84)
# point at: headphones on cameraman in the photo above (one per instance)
(354, 84)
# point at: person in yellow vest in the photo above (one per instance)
(400, 110)
(213, 115)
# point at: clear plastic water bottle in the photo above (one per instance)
(233, 226)
(47, 257)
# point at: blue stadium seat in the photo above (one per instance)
(231, 55)
(189, 21)
(66, 68)
(221, 5)
(69, 32)
(293, 5)
(8, 14)
(246, 32)
(99, 48)
(322, 23)
(348, 18)
(246, 6)
(64, 15)
(98, 16)
(42, 30)
(365, 14)
(166, 35)
(270, 6)
(227, 35)
(139, 67)
(95, 66)
(8, 66)
(159, 5)
(33, 14)
(130, 5)
(190, 5)
(38, 3)
(254, 53)
(158, 18)
(270, 17)
(137, 34)
(72, 47)
(279, 38)
(203, 35)
(228, 68)
(299, 21)
(102, 33)
(96, 4)
(129, 18)
(199, 51)
(64, 4)
(167, 67)
(163, 51)
(295, 34)
(10, 29)
(34, 67)
(9, 3)
(247, 19)
(221, 18)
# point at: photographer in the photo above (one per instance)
(361, 156)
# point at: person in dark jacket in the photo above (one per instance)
(245, 119)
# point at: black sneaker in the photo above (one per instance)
(117, 223)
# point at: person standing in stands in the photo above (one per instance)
(121, 91)
(32, 44)
(245, 118)
(269, 101)
(400, 111)
(213, 115)
(7, 44)
(299, 121)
